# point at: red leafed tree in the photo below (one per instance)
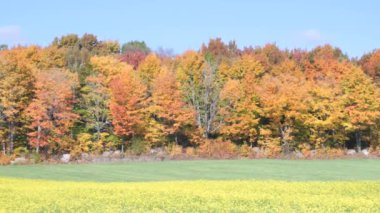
(51, 109)
(133, 58)
(127, 101)
(371, 65)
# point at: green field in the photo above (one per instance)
(194, 186)
(290, 170)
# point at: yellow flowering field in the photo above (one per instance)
(26, 195)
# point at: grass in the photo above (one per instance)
(288, 170)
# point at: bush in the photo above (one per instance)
(20, 152)
(245, 150)
(107, 142)
(305, 149)
(138, 146)
(36, 157)
(330, 152)
(271, 146)
(4, 159)
(374, 150)
(217, 149)
(191, 152)
(175, 150)
(82, 145)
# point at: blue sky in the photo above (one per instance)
(351, 25)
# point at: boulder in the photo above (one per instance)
(85, 156)
(65, 158)
(256, 150)
(19, 161)
(157, 151)
(365, 152)
(350, 152)
(106, 154)
(313, 153)
(299, 154)
(116, 154)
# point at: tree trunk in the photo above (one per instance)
(358, 141)
(284, 142)
(97, 132)
(176, 139)
(3, 148)
(11, 137)
(38, 139)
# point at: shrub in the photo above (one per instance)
(245, 150)
(20, 152)
(175, 150)
(82, 145)
(217, 149)
(4, 159)
(191, 152)
(305, 149)
(36, 157)
(271, 146)
(374, 150)
(107, 142)
(138, 146)
(330, 152)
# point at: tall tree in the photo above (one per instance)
(371, 65)
(108, 66)
(149, 69)
(51, 110)
(240, 103)
(170, 113)
(135, 46)
(361, 101)
(134, 52)
(200, 83)
(95, 103)
(282, 97)
(16, 88)
(128, 95)
(324, 117)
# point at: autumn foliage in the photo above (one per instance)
(80, 94)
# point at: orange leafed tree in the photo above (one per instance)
(240, 102)
(282, 101)
(167, 106)
(126, 104)
(16, 87)
(371, 65)
(50, 111)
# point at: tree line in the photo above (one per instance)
(80, 94)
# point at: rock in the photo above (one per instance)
(313, 153)
(116, 154)
(365, 152)
(157, 151)
(256, 150)
(65, 158)
(19, 161)
(106, 154)
(299, 154)
(350, 152)
(85, 156)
